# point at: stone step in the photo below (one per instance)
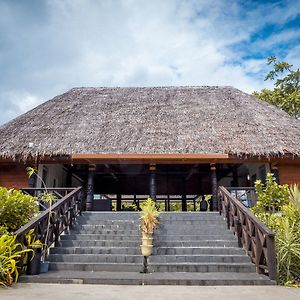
(217, 222)
(164, 216)
(136, 278)
(108, 221)
(198, 250)
(200, 243)
(191, 226)
(96, 250)
(99, 243)
(127, 226)
(94, 237)
(154, 267)
(156, 251)
(112, 243)
(106, 215)
(138, 237)
(105, 231)
(192, 231)
(158, 259)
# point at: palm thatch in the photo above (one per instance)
(152, 120)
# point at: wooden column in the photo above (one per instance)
(152, 182)
(69, 177)
(119, 202)
(214, 183)
(90, 188)
(183, 203)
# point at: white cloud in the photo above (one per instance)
(128, 43)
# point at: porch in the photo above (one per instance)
(175, 187)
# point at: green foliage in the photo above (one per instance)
(286, 94)
(271, 196)
(10, 253)
(31, 240)
(31, 171)
(3, 230)
(16, 209)
(148, 216)
(284, 219)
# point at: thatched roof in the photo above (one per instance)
(152, 120)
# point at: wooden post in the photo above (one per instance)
(119, 202)
(90, 188)
(152, 182)
(69, 177)
(183, 203)
(214, 183)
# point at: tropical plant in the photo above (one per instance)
(10, 254)
(271, 195)
(148, 216)
(284, 220)
(46, 198)
(16, 208)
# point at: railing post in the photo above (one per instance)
(56, 232)
(227, 215)
(239, 232)
(220, 203)
(257, 251)
(271, 257)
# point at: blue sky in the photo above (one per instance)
(50, 46)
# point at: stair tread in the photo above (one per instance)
(157, 275)
(158, 264)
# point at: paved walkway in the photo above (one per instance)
(112, 292)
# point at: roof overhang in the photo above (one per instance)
(179, 158)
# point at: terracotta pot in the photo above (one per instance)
(147, 241)
(147, 235)
(146, 250)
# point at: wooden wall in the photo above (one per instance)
(13, 176)
(289, 174)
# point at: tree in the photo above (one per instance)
(286, 93)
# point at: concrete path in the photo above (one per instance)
(112, 292)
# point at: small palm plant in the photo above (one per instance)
(148, 217)
(149, 221)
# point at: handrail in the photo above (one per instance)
(63, 215)
(255, 237)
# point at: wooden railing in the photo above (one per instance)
(62, 216)
(254, 236)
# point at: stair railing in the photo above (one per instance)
(62, 216)
(255, 237)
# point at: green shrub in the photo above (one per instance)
(10, 253)
(16, 209)
(279, 208)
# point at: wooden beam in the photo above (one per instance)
(147, 158)
(183, 156)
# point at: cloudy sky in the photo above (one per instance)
(50, 46)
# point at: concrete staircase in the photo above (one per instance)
(189, 249)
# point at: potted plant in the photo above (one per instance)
(48, 198)
(33, 258)
(149, 221)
